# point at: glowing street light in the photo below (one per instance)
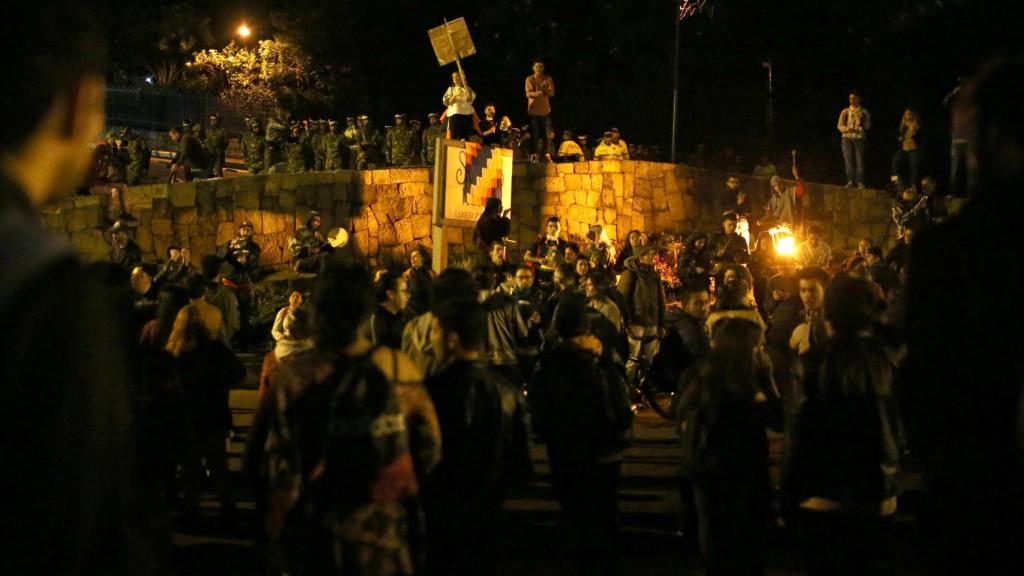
(244, 31)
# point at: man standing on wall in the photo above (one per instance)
(854, 122)
(540, 88)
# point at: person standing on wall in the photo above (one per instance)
(540, 88)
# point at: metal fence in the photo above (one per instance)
(157, 110)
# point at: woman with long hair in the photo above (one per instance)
(633, 241)
(909, 149)
(842, 478)
(492, 226)
(458, 100)
(206, 370)
(729, 399)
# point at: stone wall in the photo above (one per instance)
(390, 210)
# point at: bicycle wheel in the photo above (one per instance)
(661, 402)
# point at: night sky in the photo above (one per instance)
(612, 63)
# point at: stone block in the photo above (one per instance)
(54, 222)
(564, 168)
(671, 184)
(378, 177)
(225, 208)
(273, 186)
(342, 176)
(207, 226)
(204, 193)
(420, 226)
(82, 218)
(202, 245)
(248, 199)
(554, 184)
(306, 196)
(520, 169)
(581, 167)
(161, 191)
(423, 205)
(163, 241)
(676, 205)
(185, 216)
(276, 223)
(286, 200)
(609, 216)
(341, 192)
(593, 199)
(288, 181)
(183, 194)
(619, 184)
(598, 181)
(86, 201)
(611, 166)
(90, 243)
(608, 198)
(572, 182)
(162, 227)
(144, 238)
(403, 228)
(372, 222)
(588, 216)
(642, 205)
(324, 197)
(416, 189)
(664, 222)
(270, 203)
(137, 197)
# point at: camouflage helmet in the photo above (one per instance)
(400, 115)
(246, 224)
(331, 122)
(433, 115)
(363, 117)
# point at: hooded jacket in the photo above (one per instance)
(644, 294)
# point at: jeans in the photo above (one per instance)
(732, 517)
(634, 332)
(853, 157)
(540, 131)
(913, 158)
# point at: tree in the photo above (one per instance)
(158, 40)
(254, 78)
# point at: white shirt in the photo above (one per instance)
(459, 100)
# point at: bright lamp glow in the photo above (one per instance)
(785, 242)
(244, 31)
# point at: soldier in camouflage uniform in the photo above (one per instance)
(398, 149)
(307, 246)
(350, 138)
(370, 143)
(277, 132)
(190, 156)
(316, 141)
(295, 150)
(138, 157)
(216, 145)
(253, 146)
(333, 146)
(430, 135)
(417, 141)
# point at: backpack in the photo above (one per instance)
(359, 464)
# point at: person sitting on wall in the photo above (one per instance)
(307, 246)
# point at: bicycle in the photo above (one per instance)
(644, 387)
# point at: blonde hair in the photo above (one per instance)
(188, 328)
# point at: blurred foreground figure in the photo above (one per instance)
(64, 418)
(964, 364)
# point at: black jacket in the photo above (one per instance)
(486, 445)
(579, 403)
(847, 437)
(206, 375)
(729, 248)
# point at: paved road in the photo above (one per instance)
(648, 500)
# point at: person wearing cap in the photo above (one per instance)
(318, 129)
(350, 139)
(308, 248)
(370, 143)
(620, 143)
(295, 153)
(189, 155)
(608, 149)
(253, 148)
(332, 147)
(569, 150)
(458, 99)
(728, 247)
(644, 313)
(278, 125)
(243, 255)
(398, 150)
(124, 252)
(540, 88)
(583, 141)
(216, 144)
(783, 204)
(431, 133)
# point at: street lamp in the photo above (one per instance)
(244, 31)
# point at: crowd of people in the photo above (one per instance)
(372, 459)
